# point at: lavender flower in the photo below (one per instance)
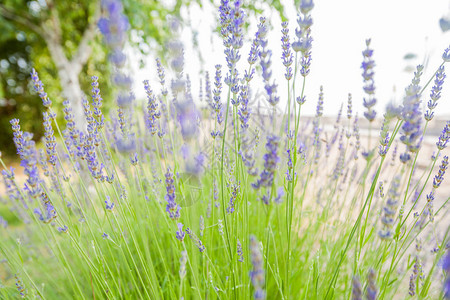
(319, 108)
(357, 136)
(244, 110)
(161, 76)
(91, 143)
(384, 136)
(134, 159)
(201, 226)
(413, 278)
(381, 189)
(371, 285)
(109, 205)
(440, 176)
(271, 160)
(257, 274)
(72, 136)
(97, 103)
(187, 116)
(446, 55)
(234, 193)
(225, 17)
(172, 207)
(265, 56)
(287, 53)
(114, 27)
(20, 287)
(429, 207)
(63, 229)
(208, 93)
(369, 87)
(254, 50)
(39, 88)
(389, 210)
(411, 128)
(152, 114)
(435, 93)
(220, 227)
(446, 268)
(196, 240)
(49, 213)
(216, 104)
(180, 233)
(303, 33)
(29, 162)
(183, 261)
(290, 166)
(349, 106)
(18, 136)
(356, 288)
(50, 138)
(247, 153)
(3, 222)
(239, 251)
(444, 137)
(232, 22)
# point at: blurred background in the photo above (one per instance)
(60, 39)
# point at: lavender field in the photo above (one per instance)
(229, 192)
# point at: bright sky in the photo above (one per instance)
(339, 31)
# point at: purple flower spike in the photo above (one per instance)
(3, 222)
(232, 22)
(446, 55)
(304, 40)
(187, 116)
(356, 288)
(115, 26)
(63, 229)
(446, 268)
(18, 136)
(265, 56)
(180, 233)
(435, 93)
(172, 207)
(239, 251)
(109, 205)
(287, 56)
(29, 162)
(371, 285)
(50, 139)
(234, 194)
(39, 88)
(217, 104)
(390, 210)
(444, 137)
(411, 114)
(152, 109)
(440, 176)
(369, 87)
(257, 274)
(271, 160)
(97, 103)
(196, 240)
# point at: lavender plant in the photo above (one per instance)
(169, 199)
